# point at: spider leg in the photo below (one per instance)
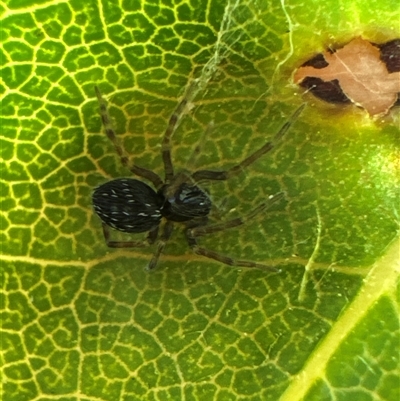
(208, 253)
(172, 124)
(168, 227)
(140, 171)
(192, 159)
(193, 233)
(224, 175)
(213, 228)
(151, 237)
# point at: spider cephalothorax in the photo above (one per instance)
(183, 200)
(130, 205)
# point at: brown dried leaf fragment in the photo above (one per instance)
(362, 75)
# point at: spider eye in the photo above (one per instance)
(188, 195)
(188, 202)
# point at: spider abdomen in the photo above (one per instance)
(128, 205)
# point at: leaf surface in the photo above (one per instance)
(83, 322)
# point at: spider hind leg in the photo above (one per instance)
(208, 253)
(192, 233)
(166, 234)
(128, 244)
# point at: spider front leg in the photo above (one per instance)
(213, 228)
(171, 127)
(135, 169)
(200, 230)
(224, 175)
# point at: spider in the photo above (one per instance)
(132, 206)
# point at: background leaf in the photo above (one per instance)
(83, 322)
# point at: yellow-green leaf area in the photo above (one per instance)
(19, 311)
(365, 361)
(26, 391)
(12, 348)
(79, 59)
(18, 51)
(59, 377)
(50, 52)
(7, 149)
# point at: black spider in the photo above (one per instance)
(131, 206)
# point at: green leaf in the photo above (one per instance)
(81, 321)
